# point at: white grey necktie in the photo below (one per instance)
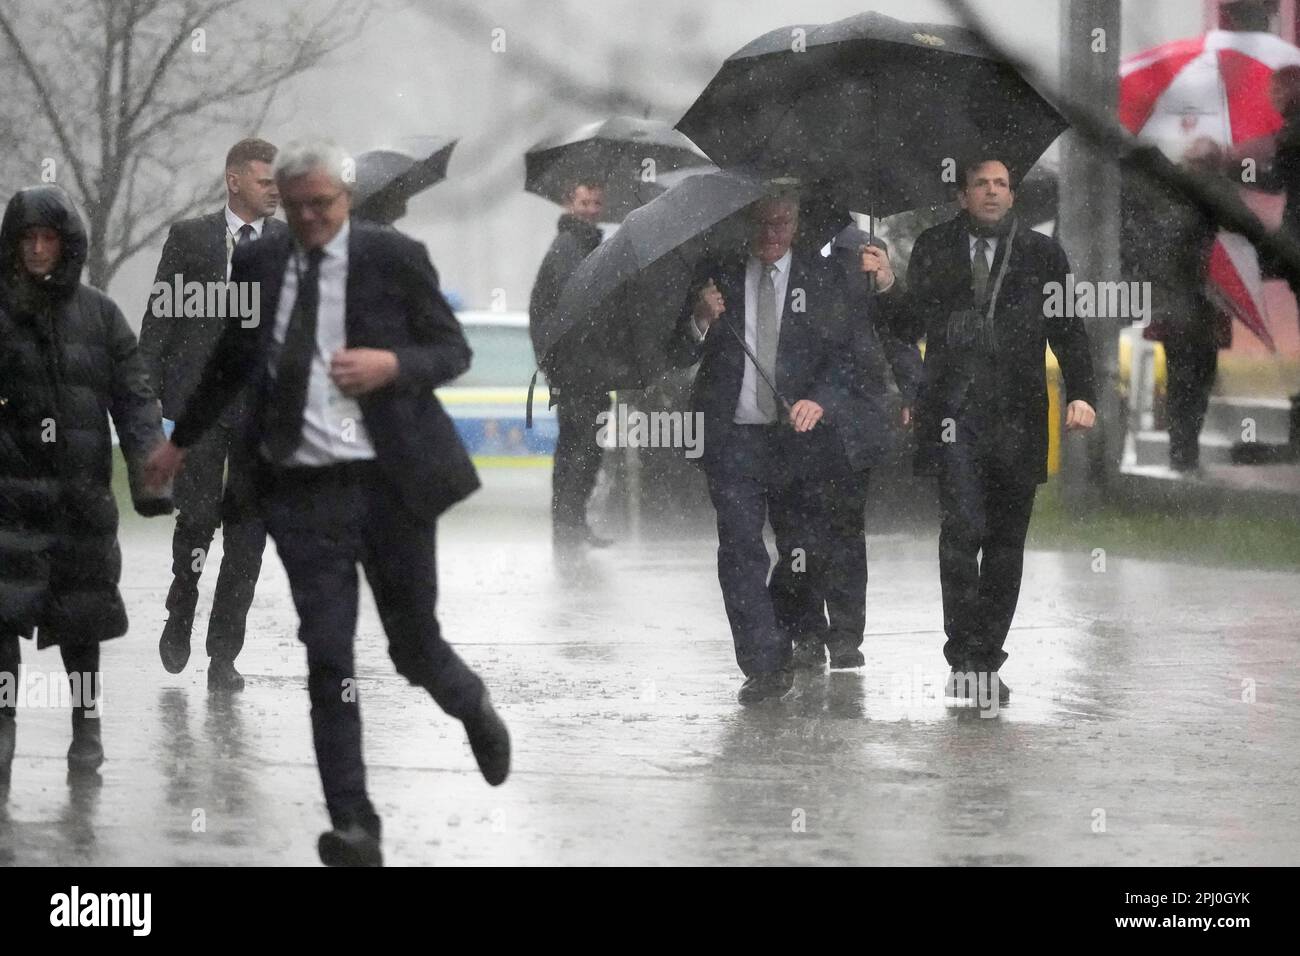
(768, 332)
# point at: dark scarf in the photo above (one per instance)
(983, 230)
(590, 235)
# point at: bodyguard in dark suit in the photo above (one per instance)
(763, 460)
(981, 415)
(352, 461)
(176, 347)
(877, 347)
(577, 454)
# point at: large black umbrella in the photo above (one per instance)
(618, 309)
(879, 109)
(387, 178)
(614, 151)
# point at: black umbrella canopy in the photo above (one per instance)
(387, 178)
(880, 109)
(619, 307)
(615, 152)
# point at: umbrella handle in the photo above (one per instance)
(758, 368)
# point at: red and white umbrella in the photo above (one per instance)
(1213, 86)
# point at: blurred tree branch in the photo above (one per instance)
(122, 93)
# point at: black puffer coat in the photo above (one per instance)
(68, 360)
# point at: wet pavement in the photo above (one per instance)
(1154, 721)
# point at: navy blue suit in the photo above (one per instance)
(758, 472)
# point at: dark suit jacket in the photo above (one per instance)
(176, 348)
(392, 302)
(812, 360)
(939, 280)
(879, 346)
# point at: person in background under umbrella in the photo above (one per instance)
(1167, 241)
(577, 455)
(68, 361)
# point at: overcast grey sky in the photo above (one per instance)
(427, 67)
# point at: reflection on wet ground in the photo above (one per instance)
(1153, 722)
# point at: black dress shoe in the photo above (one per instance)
(809, 655)
(86, 752)
(1004, 689)
(174, 646)
(222, 676)
(760, 687)
(352, 845)
(490, 741)
(845, 657)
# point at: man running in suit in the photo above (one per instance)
(352, 461)
(981, 414)
(176, 347)
(763, 459)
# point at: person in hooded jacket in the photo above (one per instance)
(68, 360)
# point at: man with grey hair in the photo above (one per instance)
(764, 453)
(354, 461)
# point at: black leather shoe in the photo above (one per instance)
(174, 646)
(490, 741)
(1004, 689)
(844, 658)
(353, 845)
(809, 655)
(8, 735)
(223, 677)
(593, 540)
(86, 752)
(760, 687)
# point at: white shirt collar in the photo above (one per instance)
(233, 224)
(781, 265)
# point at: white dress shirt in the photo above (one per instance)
(233, 225)
(747, 412)
(332, 427)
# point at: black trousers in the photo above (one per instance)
(325, 521)
(751, 483)
(836, 577)
(199, 490)
(77, 659)
(985, 506)
(577, 459)
(1192, 363)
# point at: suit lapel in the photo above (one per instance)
(272, 279)
(214, 242)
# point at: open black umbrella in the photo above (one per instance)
(878, 109)
(613, 151)
(387, 178)
(618, 309)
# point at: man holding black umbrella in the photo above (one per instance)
(977, 294)
(763, 325)
(577, 455)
